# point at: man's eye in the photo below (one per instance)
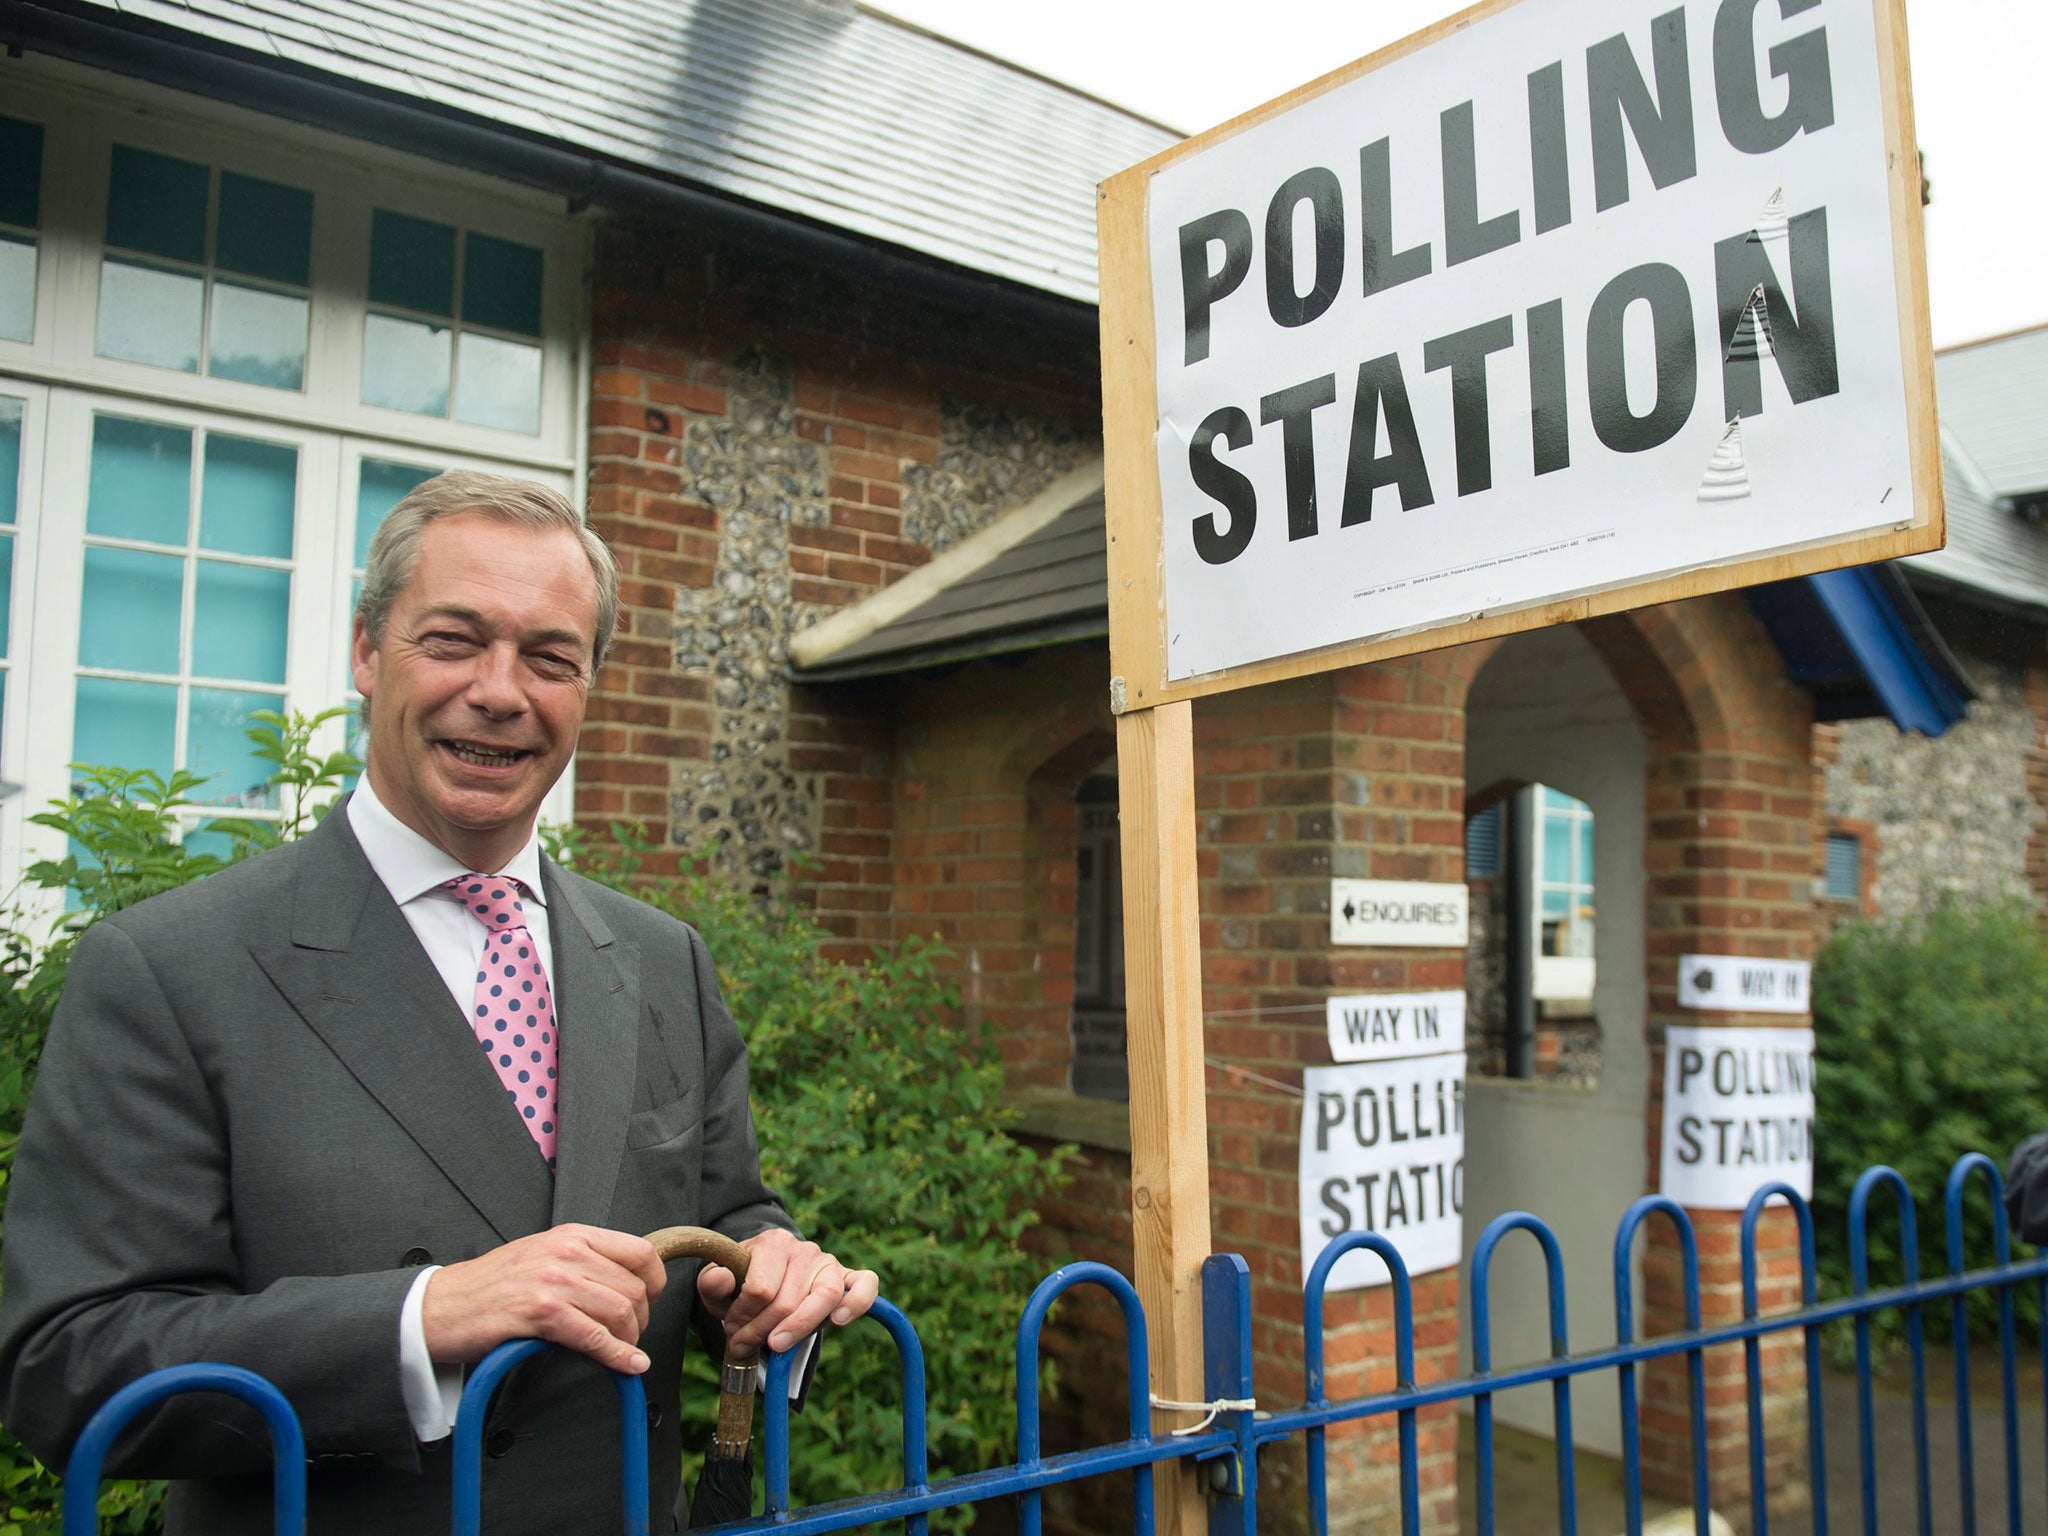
(556, 665)
(443, 642)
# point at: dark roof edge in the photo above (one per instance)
(1961, 589)
(1090, 626)
(1892, 576)
(162, 55)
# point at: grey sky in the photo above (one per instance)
(1979, 71)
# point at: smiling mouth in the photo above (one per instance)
(485, 757)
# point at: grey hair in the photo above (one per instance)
(395, 550)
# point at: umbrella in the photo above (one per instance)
(725, 1488)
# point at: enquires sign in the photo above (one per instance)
(1573, 298)
(1383, 1136)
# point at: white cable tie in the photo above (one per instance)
(1208, 1410)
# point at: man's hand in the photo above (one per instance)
(792, 1287)
(583, 1287)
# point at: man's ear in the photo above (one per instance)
(362, 659)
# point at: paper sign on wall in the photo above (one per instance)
(1735, 984)
(1383, 1150)
(1399, 912)
(1380, 1026)
(1738, 1114)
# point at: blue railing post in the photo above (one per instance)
(2001, 1248)
(1624, 1335)
(1404, 1375)
(1227, 1375)
(1482, 1365)
(467, 1494)
(1859, 1274)
(1137, 1365)
(287, 1441)
(1816, 1446)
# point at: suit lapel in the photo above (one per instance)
(355, 972)
(597, 1001)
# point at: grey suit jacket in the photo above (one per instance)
(259, 1111)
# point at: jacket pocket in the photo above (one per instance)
(665, 1122)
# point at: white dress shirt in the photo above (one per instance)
(416, 873)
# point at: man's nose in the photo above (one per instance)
(494, 683)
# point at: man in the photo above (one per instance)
(264, 1132)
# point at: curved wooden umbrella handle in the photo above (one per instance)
(701, 1243)
(735, 1378)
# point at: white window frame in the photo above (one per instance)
(347, 180)
(23, 617)
(63, 379)
(1556, 978)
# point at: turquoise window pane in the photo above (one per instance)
(129, 615)
(1586, 852)
(406, 364)
(1557, 848)
(199, 840)
(157, 204)
(10, 458)
(379, 487)
(6, 590)
(141, 481)
(215, 745)
(240, 614)
(17, 288)
(21, 172)
(125, 725)
(258, 337)
(412, 263)
(149, 315)
(501, 284)
(247, 495)
(497, 383)
(264, 230)
(1558, 800)
(1556, 903)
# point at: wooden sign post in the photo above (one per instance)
(1557, 308)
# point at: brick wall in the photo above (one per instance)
(757, 430)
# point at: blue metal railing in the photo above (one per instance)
(1228, 1445)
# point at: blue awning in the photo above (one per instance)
(1858, 640)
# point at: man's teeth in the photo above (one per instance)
(482, 758)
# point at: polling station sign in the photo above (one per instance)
(1563, 307)
(1738, 1114)
(1383, 1150)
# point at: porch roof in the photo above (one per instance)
(1038, 575)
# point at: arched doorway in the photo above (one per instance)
(1549, 733)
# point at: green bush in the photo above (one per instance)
(1933, 1042)
(882, 1122)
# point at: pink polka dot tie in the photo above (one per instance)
(514, 1014)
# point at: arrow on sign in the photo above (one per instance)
(1350, 911)
(1703, 979)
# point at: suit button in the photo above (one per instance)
(416, 1257)
(654, 1415)
(498, 1443)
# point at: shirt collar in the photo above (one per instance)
(410, 866)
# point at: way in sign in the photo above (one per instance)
(1396, 1025)
(1381, 1026)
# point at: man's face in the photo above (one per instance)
(477, 689)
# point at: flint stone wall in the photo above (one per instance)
(1954, 815)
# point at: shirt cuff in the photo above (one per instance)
(432, 1392)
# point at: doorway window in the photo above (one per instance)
(1099, 1067)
